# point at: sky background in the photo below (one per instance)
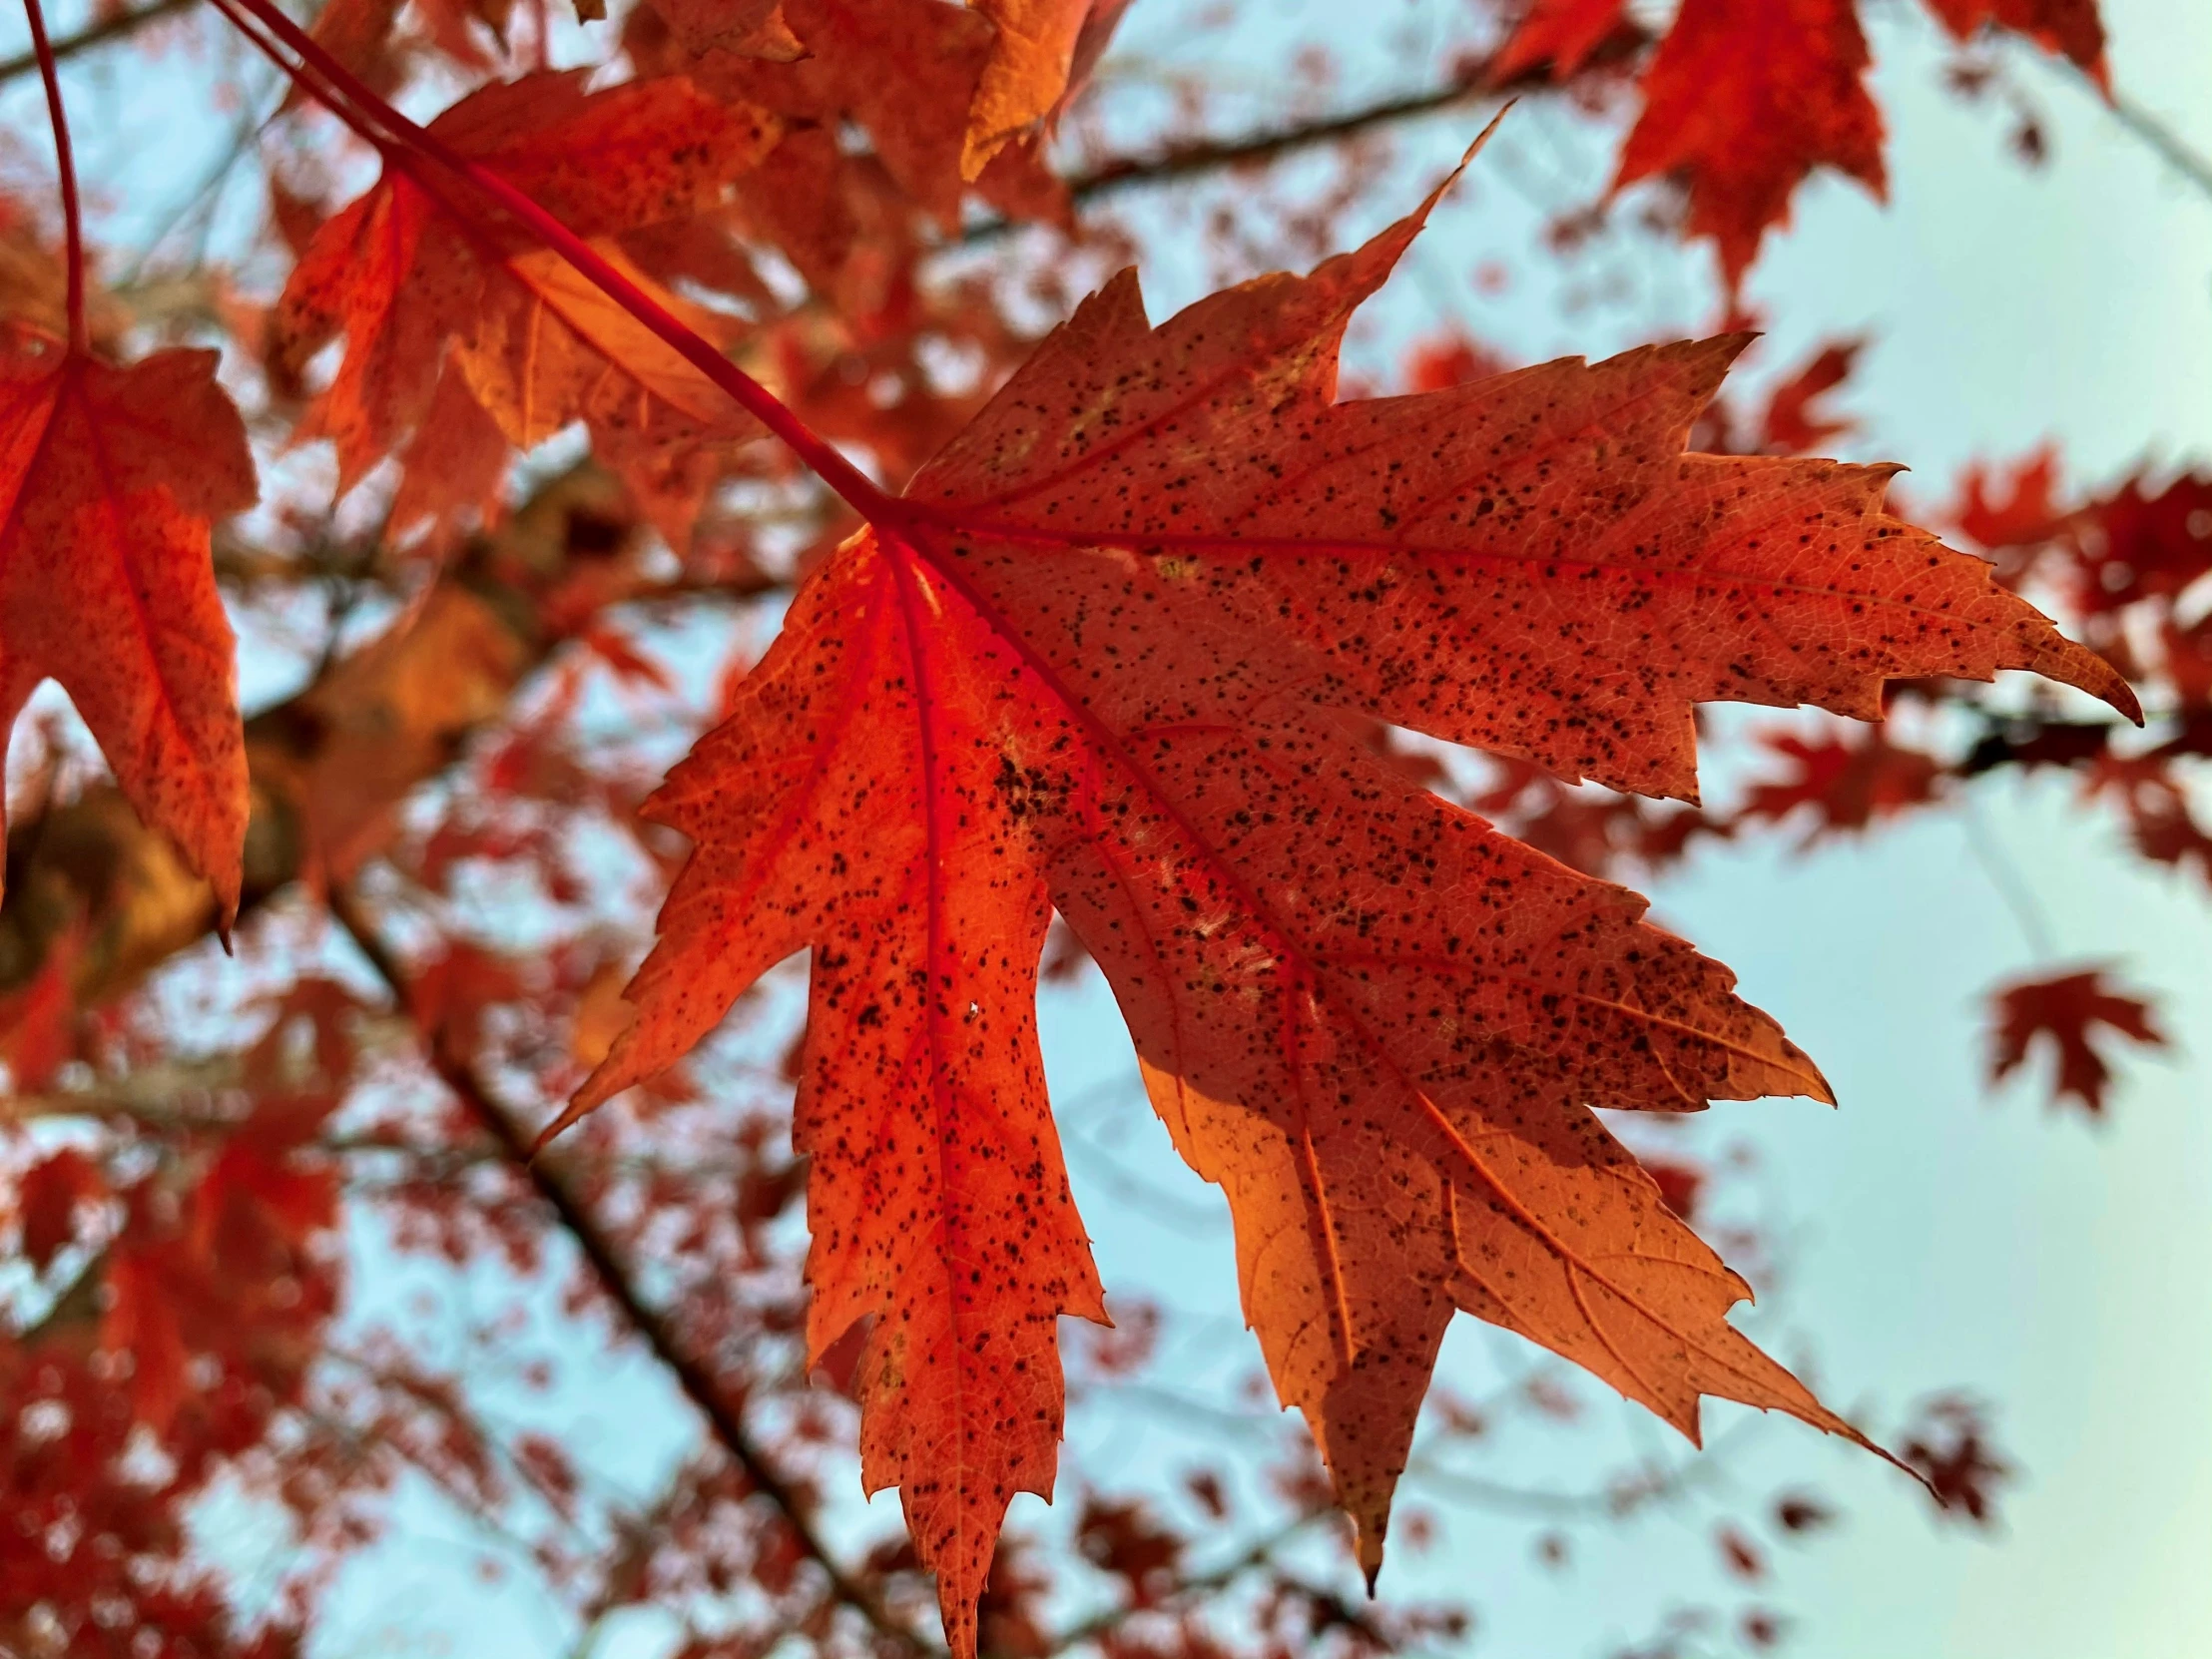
(1937, 1238)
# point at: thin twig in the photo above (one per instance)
(119, 27)
(697, 1382)
(2152, 129)
(2012, 888)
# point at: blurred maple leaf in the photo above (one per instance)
(2068, 1010)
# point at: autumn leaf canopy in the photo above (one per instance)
(1132, 649)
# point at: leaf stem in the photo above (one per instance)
(407, 145)
(71, 212)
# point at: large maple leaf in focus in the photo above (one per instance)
(1113, 653)
(109, 480)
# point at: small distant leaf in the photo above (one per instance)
(2068, 1011)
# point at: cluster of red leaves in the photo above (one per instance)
(191, 1303)
(1744, 99)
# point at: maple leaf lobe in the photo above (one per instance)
(110, 479)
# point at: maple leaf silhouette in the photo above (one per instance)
(2067, 1009)
(1094, 660)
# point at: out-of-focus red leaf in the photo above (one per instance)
(1950, 1446)
(1847, 781)
(1558, 33)
(1742, 101)
(2068, 1010)
(2068, 27)
(1794, 424)
(47, 1201)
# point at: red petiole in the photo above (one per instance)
(72, 213)
(409, 146)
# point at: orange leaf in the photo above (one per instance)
(109, 478)
(907, 72)
(1027, 72)
(1744, 99)
(1116, 652)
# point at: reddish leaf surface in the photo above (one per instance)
(2070, 1012)
(471, 341)
(1094, 661)
(47, 1201)
(1558, 33)
(1744, 99)
(2070, 27)
(109, 480)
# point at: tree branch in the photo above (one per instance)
(1260, 1552)
(119, 27)
(1471, 79)
(694, 1379)
(2194, 168)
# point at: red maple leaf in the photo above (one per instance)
(2068, 1010)
(1742, 100)
(109, 480)
(1850, 783)
(1091, 661)
(462, 334)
